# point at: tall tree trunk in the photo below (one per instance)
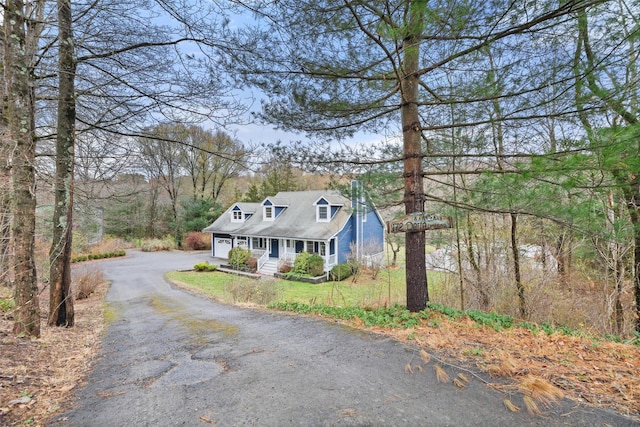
(631, 192)
(479, 284)
(5, 193)
(5, 215)
(416, 270)
(61, 311)
(516, 266)
(20, 118)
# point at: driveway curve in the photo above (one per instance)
(173, 358)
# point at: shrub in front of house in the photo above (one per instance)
(308, 264)
(238, 257)
(301, 263)
(252, 264)
(315, 265)
(284, 266)
(205, 266)
(340, 272)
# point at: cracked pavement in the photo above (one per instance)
(175, 358)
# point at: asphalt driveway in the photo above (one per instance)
(173, 358)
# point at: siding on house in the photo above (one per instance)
(296, 218)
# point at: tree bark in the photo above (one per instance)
(516, 266)
(416, 270)
(61, 312)
(5, 184)
(20, 118)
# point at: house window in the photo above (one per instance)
(259, 243)
(322, 249)
(237, 216)
(323, 213)
(310, 248)
(268, 213)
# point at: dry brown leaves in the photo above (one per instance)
(593, 372)
(43, 372)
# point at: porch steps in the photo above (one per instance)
(270, 267)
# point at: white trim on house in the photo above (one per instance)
(237, 216)
(268, 213)
(323, 213)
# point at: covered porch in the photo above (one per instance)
(273, 251)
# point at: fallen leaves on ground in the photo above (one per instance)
(590, 371)
(38, 376)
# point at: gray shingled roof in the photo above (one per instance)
(297, 221)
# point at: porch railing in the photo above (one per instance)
(263, 257)
(329, 260)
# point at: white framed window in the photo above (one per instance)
(309, 246)
(259, 243)
(236, 216)
(322, 249)
(322, 213)
(268, 213)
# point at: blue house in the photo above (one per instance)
(323, 222)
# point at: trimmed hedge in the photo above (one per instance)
(89, 257)
(205, 266)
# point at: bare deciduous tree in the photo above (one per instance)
(22, 23)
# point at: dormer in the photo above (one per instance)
(325, 210)
(240, 213)
(271, 208)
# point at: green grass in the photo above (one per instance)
(387, 289)
(367, 299)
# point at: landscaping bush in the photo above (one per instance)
(80, 258)
(205, 266)
(301, 263)
(309, 264)
(315, 265)
(284, 267)
(252, 264)
(340, 272)
(261, 292)
(238, 257)
(196, 241)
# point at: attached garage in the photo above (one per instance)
(221, 246)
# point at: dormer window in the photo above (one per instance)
(325, 210)
(323, 213)
(268, 213)
(238, 215)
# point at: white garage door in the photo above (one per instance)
(221, 247)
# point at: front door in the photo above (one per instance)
(275, 249)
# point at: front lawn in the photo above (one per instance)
(387, 289)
